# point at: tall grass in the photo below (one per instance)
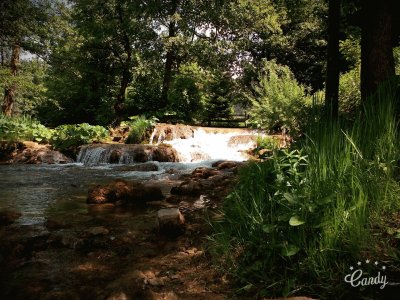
(297, 221)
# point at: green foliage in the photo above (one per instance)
(265, 146)
(349, 92)
(278, 100)
(296, 221)
(219, 99)
(29, 83)
(350, 48)
(69, 136)
(140, 129)
(23, 129)
(396, 53)
(187, 93)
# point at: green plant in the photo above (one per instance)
(266, 146)
(349, 92)
(187, 95)
(74, 135)
(277, 100)
(23, 128)
(140, 129)
(297, 219)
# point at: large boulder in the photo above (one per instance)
(165, 153)
(31, 153)
(126, 192)
(167, 132)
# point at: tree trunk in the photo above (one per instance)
(9, 92)
(120, 101)
(377, 62)
(126, 76)
(332, 73)
(170, 57)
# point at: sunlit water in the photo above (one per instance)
(210, 144)
(43, 191)
(40, 192)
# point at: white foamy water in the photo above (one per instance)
(214, 145)
(195, 145)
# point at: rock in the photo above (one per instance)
(168, 132)
(8, 217)
(8, 150)
(71, 242)
(54, 224)
(121, 190)
(204, 172)
(170, 222)
(247, 139)
(95, 154)
(31, 153)
(98, 230)
(165, 153)
(115, 156)
(191, 188)
(227, 165)
(155, 281)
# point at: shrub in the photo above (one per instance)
(74, 135)
(349, 92)
(277, 99)
(265, 146)
(23, 128)
(140, 129)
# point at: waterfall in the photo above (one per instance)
(205, 145)
(195, 144)
(114, 153)
(171, 143)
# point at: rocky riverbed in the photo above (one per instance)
(119, 251)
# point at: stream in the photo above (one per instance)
(62, 248)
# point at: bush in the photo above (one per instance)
(140, 129)
(298, 220)
(23, 129)
(349, 92)
(265, 146)
(69, 136)
(277, 100)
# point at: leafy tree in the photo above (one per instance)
(220, 98)
(188, 92)
(22, 27)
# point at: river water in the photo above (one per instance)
(45, 191)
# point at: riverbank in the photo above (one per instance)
(108, 251)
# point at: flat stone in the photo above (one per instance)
(170, 222)
(98, 230)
